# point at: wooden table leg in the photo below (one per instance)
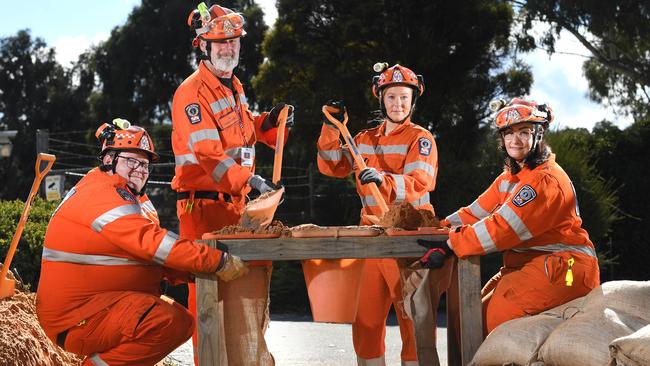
(471, 313)
(207, 304)
(453, 321)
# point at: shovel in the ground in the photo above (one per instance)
(259, 212)
(358, 159)
(7, 285)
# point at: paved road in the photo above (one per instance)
(296, 341)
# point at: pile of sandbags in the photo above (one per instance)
(607, 327)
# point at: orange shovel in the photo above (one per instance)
(354, 150)
(7, 286)
(259, 212)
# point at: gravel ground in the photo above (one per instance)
(297, 340)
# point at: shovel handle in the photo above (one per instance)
(279, 144)
(356, 155)
(23, 218)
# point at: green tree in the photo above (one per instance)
(142, 63)
(321, 50)
(35, 93)
(623, 155)
(617, 33)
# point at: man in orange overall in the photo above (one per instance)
(104, 256)
(213, 138)
(402, 160)
(529, 213)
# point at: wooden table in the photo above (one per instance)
(463, 297)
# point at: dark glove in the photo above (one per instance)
(271, 119)
(262, 185)
(437, 252)
(340, 115)
(371, 175)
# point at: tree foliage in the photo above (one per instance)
(617, 33)
(35, 93)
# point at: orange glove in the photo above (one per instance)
(231, 268)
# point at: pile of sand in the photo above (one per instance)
(275, 227)
(405, 216)
(22, 341)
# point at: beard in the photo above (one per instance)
(226, 64)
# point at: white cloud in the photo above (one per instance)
(559, 81)
(68, 48)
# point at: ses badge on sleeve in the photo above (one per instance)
(525, 195)
(425, 146)
(193, 112)
(126, 195)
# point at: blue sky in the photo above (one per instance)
(70, 26)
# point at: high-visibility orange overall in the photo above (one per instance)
(409, 158)
(213, 138)
(534, 219)
(104, 256)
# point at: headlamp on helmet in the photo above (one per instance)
(215, 24)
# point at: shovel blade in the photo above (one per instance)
(259, 212)
(7, 287)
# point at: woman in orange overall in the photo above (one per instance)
(529, 213)
(402, 161)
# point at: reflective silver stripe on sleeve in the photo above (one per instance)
(382, 149)
(114, 214)
(221, 105)
(515, 222)
(400, 188)
(148, 206)
(221, 169)
(454, 219)
(421, 201)
(477, 210)
(560, 248)
(484, 237)
(367, 201)
(348, 156)
(236, 152)
(165, 246)
(97, 360)
(507, 186)
(242, 99)
(187, 159)
(92, 259)
(330, 155)
(207, 134)
(419, 165)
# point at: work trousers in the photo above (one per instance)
(380, 287)
(528, 285)
(138, 330)
(243, 303)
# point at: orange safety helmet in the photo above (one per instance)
(121, 135)
(519, 111)
(215, 24)
(395, 75)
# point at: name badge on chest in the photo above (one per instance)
(247, 156)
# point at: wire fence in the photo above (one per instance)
(310, 196)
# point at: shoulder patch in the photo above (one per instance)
(424, 146)
(525, 195)
(193, 112)
(126, 195)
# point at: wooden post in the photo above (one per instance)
(464, 313)
(208, 318)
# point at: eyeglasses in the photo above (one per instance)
(523, 134)
(135, 164)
